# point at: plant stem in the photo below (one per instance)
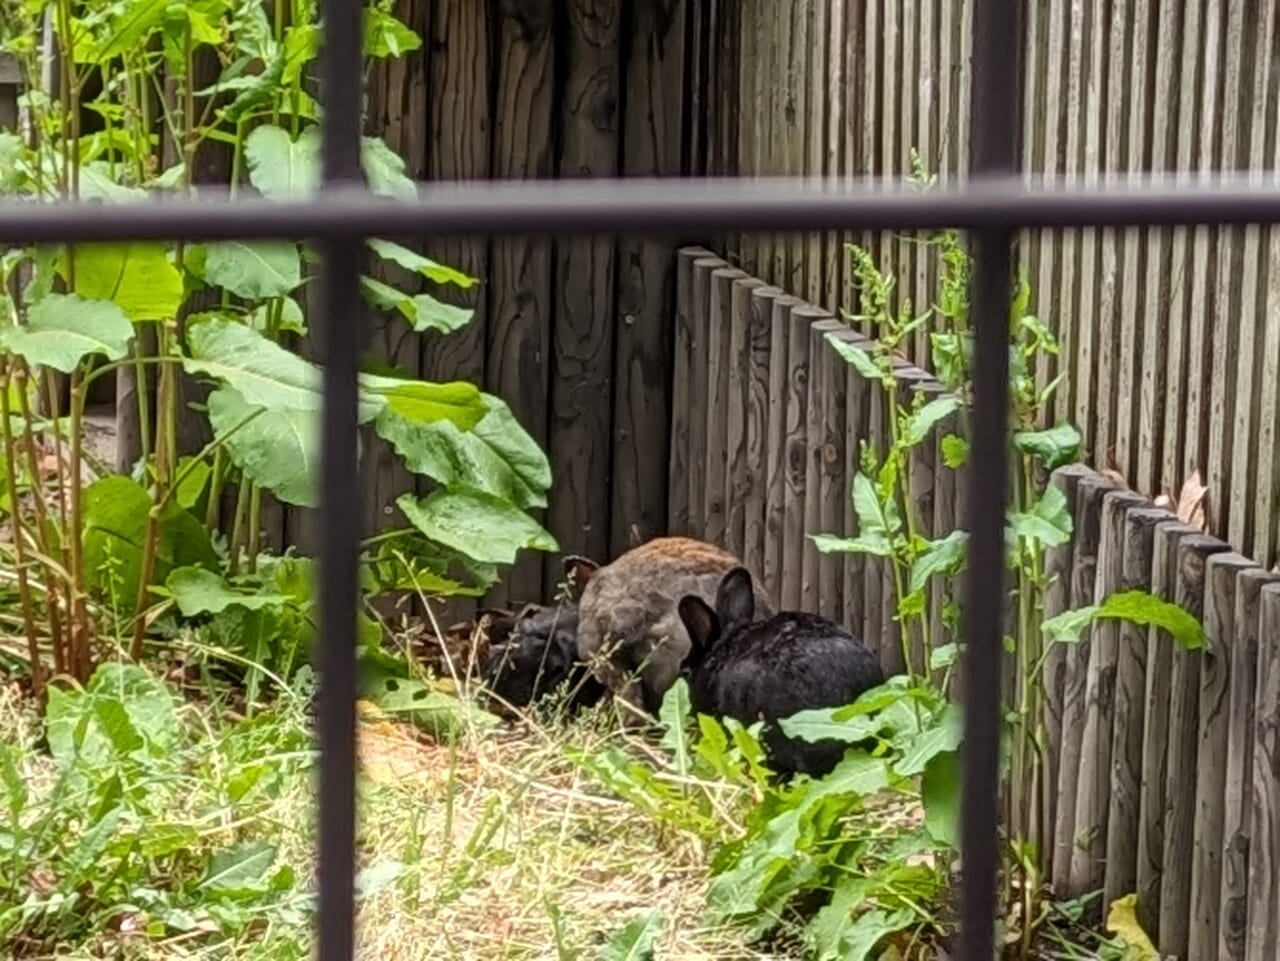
(255, 526)
(238, 525)
(24, 590)
(81, 661)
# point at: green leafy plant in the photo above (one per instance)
(184, 530)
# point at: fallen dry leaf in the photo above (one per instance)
(1192, 507)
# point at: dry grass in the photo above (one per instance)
(507, 851)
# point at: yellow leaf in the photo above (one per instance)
(1122, 920)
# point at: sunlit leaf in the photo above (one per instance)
(64, 329)
(482, 526)
(136, 275)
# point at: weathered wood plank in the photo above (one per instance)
(1222, 573)
(1182, 739)
(811, 561)
(682, 377)
(833, 483)
(651, 132)
(796, 441)
(816, 78)
(1093, 785)
(1059, 562)
(737, 481)
(857, 409)
(1264, 814)
(777, 461)
(700, 361)
(1090, 491)
(760, 407)
(715, 517)
(1123, 814)
(519, 281)
(585, 272)
(1246, 669)
(1153, 800)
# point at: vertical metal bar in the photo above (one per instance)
(339, 489)
(994, 115)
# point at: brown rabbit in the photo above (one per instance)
(629, 626)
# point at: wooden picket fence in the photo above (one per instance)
(1162, 765)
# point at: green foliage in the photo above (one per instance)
(634, 942)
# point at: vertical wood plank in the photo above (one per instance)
(811, 560)
(1093, 786)
(715, 524)
(737, 480)
(760, 406)
(682, 377)
(1194, 552)
(1264, 812)
(816, 77)
(1246, 669)
(1153, 801)
(833, 484)
(1222, 572)
(519, 281)
(777, 463)
(642, 379)
(858, 402)
(796, 441)
(585, 268)
(1090, 491)
(699, 390)
(1123, 815)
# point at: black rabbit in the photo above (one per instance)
(771, 669)
(539, 654)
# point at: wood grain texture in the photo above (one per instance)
(1088, 531)
(682, 377)
(651, 147)
(1153, 801)
(858, 403)
(1093, 786)
(1264, 814)
(1247, 669)
(760, 406)
(1182, 736)
(585, 272)
(777, 462)
(1059, 561)
(833, 483)
(716, 412)
(700, 360)
(1222, 573)
(811, 561)
(796, 440)
(737, 475)
(520, 268)
(1123, 814)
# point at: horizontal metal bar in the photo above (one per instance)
(657, 206)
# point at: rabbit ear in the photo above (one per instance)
(577, 571)
(735, 598)
(701, 623)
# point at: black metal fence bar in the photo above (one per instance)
(648, 206)
(341, 333)
(994, 104)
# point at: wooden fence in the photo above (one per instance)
(1163, 765)
(1171, 337)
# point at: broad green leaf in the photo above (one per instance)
(1122, 921)
(943, 656)
(1066, 628)
(413, 261)
(128, 28)
(944, 734)
(440, 714)
(871, 518)
(240, 868)
(857, 773)
(857, 357)
(15, 786)
(673, 714)
(199, 591)
(875, 544)
(479, 525)
(860, 940)
(634, 942)
(80, 730)
(955, 451)
(115, 512)
(1140, 607)
(1049, 521)
(255, 269)
(385, 36)
(422, 311)
(923, 420)
(289, 318)
(263, 373)
(942, 556)
(385, 170)
(1053, 447)
(822, 723)
(64, 329)
(500, 430)
(301, 45)
(278, 449)
(421, 402)
(137, 275)
(278, 165)
(940, 795)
